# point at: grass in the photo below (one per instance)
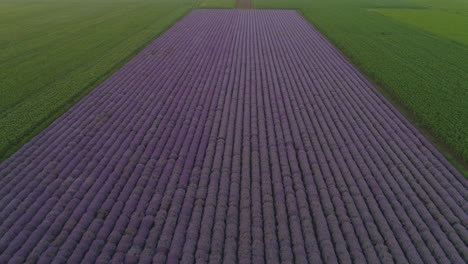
(442, 23)
(423, 71)
(54, 52)
(217, 4)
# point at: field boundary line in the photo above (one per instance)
(439, 144)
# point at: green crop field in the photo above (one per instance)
(447, 19)
(53, 52)
(217, 4)
(415, 50)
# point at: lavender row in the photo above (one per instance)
(237, 136)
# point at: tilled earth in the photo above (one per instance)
(244, 4)
(237, 136)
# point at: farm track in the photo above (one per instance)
(237, 136)
(244, 4)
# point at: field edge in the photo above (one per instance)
(24, 138)
(444, 148)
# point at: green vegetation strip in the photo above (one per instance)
(442, 23)
(217, 4)
(424, 72)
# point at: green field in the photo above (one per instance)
(415, 50)
(217, 4)
(440, 21)
(53, 52)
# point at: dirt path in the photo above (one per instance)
(237, 136)
(244, 4)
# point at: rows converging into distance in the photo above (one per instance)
(236, 136)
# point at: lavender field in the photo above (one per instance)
(237, 136)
